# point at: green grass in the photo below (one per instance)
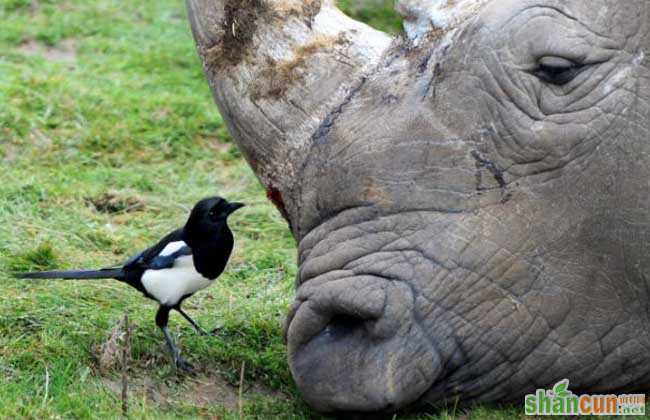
(380, 14)
(108, 135)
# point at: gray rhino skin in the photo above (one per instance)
(471, 200)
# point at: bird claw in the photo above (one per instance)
(184, 366)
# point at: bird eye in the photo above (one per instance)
(216, 211)
(557, 70)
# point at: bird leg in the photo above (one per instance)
(191, 321)
(162, 317)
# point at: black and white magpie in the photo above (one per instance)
(182, 263)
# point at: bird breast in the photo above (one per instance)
(170, 285)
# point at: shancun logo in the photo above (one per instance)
(561, 402)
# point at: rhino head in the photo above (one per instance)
(471, 199)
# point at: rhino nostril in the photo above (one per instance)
(342, 325)
(335, 309)
(354, 345)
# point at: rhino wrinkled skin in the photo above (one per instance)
(473, 215)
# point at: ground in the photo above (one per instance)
(108, 135)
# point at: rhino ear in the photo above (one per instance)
(276, 69)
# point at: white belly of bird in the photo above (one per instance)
(169, 285)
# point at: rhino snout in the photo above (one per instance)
(354, 345)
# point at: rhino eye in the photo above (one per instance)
(557, 70)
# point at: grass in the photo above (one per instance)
(108, 134)
(380, 14)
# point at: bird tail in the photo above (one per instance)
(104, 273)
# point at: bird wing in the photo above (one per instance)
(167, 260)
(162, 254)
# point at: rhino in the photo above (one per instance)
(470, 198)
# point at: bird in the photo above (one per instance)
(183, 262)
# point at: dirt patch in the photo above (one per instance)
(8, 372)
(40, 139)
(207, 386)
(112, 202)
(239, 26)
(64, 51)
(310, 9)
(302, 9)
(199, 391)
(277, 76)
(241, 21)
(110, 353)
(9, 152)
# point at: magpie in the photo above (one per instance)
(182, 263)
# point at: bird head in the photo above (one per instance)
(210, 214)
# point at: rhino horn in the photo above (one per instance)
(277, 69)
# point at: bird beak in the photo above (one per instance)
(232, 207)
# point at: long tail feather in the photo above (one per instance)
(106, 273)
